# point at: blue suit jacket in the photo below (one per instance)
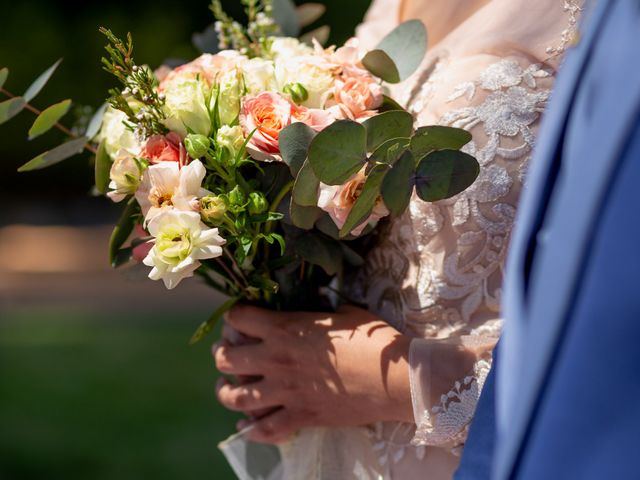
(567, 398)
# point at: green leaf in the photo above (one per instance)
(294, 142)
(389, 151)
(399, 54)
(40, 82)
(309, 13)
(96, 122)
(389, 105)
(102, 168)
(207, 326)
(10, 108)
(4, 73)
(445, 173)
(123, 256)
(351, 256)
(398, 183)
(48, 118)
(338, 151)
(386, 126)
(321, 34)
(304, 217)
(122, 230)
(266, 217)
(56, 155)
(428, 139)
(366, 201)
(305, 188)
(321, 251)
(284, 14)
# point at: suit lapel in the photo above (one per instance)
(573, 210)
(513, 416)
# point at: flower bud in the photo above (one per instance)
(197, 145)
(212, 208)
(237, 198)
(297, 92)
(257, 203)
(230, 141)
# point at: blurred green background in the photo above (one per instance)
(96, 379)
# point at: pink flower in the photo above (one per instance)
(206, 66)
(267, 113)
(357, 98)
(313, 117)
(161, 148)
(142, 250)
(338, 200)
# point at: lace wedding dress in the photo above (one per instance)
(436, 272)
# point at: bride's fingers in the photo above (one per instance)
(234, 337)
(275, 428)
(252, 321)
(239, 360)
(243, 398)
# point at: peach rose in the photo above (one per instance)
(338, 200)
(161, 148)
(267, 113)
(206, 66)
(357, 98)
(313, 117)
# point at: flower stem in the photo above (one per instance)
(59, 126)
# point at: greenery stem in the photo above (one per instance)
(59, 126)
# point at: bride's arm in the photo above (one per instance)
(499, 100)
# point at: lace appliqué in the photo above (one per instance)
(448, 422)
(570, 35)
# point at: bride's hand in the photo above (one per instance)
(315, 369)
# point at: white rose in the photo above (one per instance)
(229, 96)
(186, 106)
(231, 139)
(287, 47)
(259, 75)
(181, 241)
(115, 135)
(312, 72)
(125, 176)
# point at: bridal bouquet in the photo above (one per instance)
(259, 167)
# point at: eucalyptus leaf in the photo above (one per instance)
(56, 155)
(397, 185)
(102, 168)
(4, 73)
(365, 203)
(338, 151)
(294, 142)
(40, 82)
(321, 251)
(304, 217)
(305, 188)
(429, 139)
(206, 326)
(445, 173)
(389, 151)
(389, 104)
(320, 34)
(284, 14)
(351, 256)
(123, 229)
(10, 108)
(309, 13)
(96, 122)
(386, 126)
(399, 54)
(48, 118)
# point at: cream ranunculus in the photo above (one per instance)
(259, 75)
(288, 47)
(314, 73)
(231, 139)
(228, 96)
(181, 241)
(125, 176)
(186, 106)
(166, 186)
(115, 135)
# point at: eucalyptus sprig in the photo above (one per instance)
(140, 87)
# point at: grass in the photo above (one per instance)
(92, 397)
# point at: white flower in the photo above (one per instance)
(125, 176)
(314, 73)
(228, 97)
(166, 186)
(186, 106)
(181, 241)
(231, 138)
(287, 47)
(259, 75)
(115, 135)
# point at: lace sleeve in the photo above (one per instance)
(500, 101)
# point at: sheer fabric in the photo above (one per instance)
(435, 273)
